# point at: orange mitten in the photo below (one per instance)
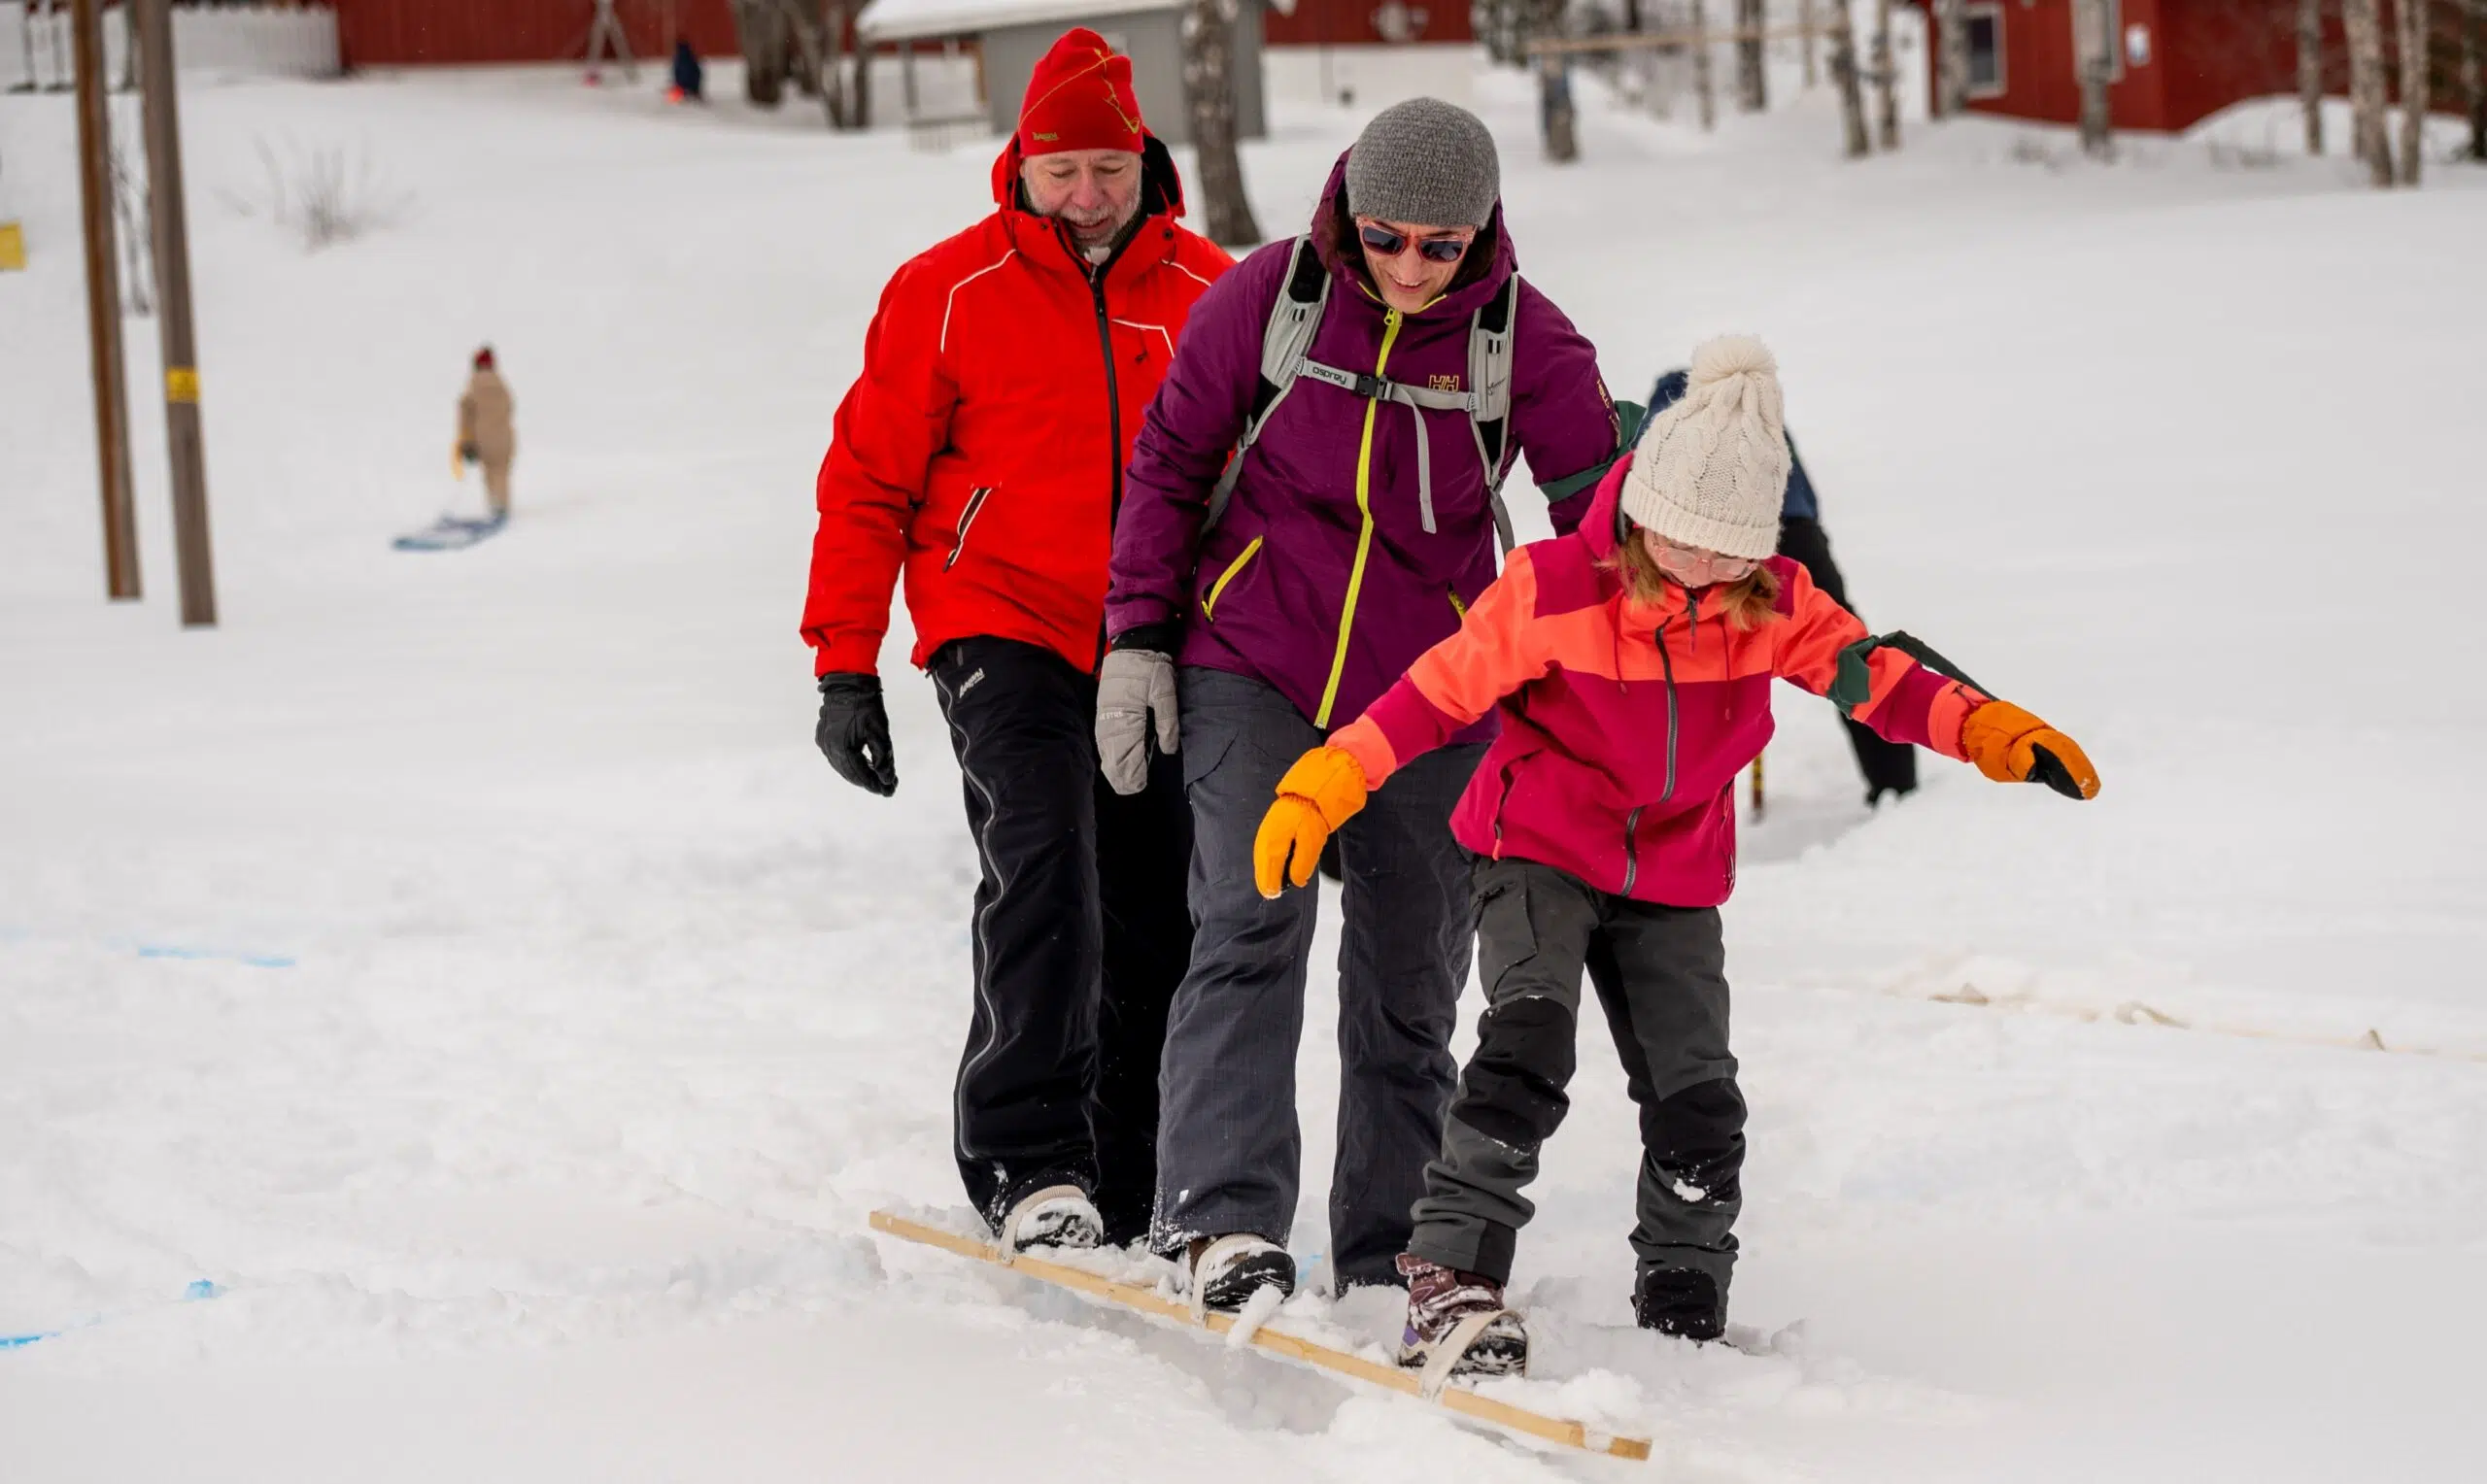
(1323, 792)
(2009, 745)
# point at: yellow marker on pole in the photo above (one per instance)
(13, 248)
(181, 385)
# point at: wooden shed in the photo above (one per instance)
(1012, 34)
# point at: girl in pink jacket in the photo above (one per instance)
(1630, 663)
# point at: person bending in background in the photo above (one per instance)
(689, 77)
(1889, 767)
(487, 430)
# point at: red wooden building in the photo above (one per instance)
(1366, 23)
(2176, 61)
(399, 33)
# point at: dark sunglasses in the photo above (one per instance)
(1390, 244)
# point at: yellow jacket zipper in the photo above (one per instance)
(1390, 322)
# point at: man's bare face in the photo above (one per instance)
(1093, 192)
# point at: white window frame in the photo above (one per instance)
(2115, 41)
(2002, 82)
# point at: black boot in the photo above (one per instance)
(1680, 1300)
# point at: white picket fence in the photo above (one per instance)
(265, 41)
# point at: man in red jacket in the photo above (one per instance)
(982, 454)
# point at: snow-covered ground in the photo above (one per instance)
(465, 963)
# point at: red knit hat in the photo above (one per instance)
(483, 358)
(1080, 97)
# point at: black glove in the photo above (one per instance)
(470, 452)
(854, 732)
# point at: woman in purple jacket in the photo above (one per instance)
(1359, 526)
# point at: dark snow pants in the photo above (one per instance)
(1889, 767)
(1660, 972)
(1229, 1146)
(1080, 937)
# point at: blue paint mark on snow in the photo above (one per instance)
(185, 951)
(198, 1289)
(214, 955)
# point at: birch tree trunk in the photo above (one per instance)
(1209, 88)
(1705, 85)
(1805, 17)
(2415, 86)
(2309, 70)
(2093, 56)
(1844, 71)
(1952, 62)
(1886, 79)
(1752, 86)
(2371, 130)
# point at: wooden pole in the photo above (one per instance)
(196, 559)
(103, 303)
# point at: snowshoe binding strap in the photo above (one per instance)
(1443, 1359)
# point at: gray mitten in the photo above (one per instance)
(1134, 688)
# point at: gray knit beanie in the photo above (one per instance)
(1426, 163)
(1713, 468)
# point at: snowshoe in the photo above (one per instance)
(1055, 1216)
(1226, 1272)
(1682, 1301)
(1457, 1324)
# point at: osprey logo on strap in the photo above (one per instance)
(1286, 341)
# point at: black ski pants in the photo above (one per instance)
(1081, 935)
(1660, 973)
(1889, 767)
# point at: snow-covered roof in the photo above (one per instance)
(905, 19)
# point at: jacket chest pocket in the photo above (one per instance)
(1234, 569)
(1141, 346)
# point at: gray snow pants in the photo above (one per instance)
(1660, 972)
(1228, 1144)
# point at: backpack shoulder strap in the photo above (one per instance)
(1489, 385)
(1285, 340)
